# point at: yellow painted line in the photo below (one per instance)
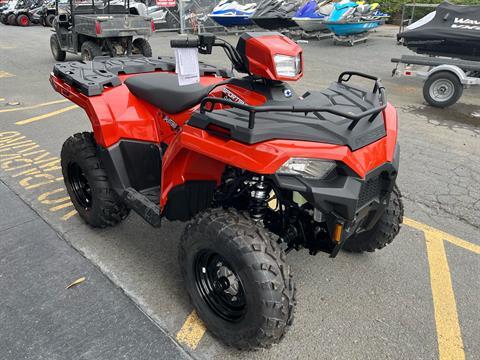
(45, 116)
(449, 337)
(192, 331)
(69, 215)
(33, 106)
(446, 236)
(4, 74)
(61, 206)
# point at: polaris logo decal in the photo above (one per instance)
(466, 24)
(231, 96)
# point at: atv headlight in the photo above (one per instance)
(307, 168)
(289, 66)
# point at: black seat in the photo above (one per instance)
(162, 91)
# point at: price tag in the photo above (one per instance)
(186, 66)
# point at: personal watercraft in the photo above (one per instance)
(276, 14)
(451, 30)
(312, 15)
(350, 22)
(230, 13)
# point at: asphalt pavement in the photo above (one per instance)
(415, 299)
(42, 319)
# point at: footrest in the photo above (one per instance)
(143, 206)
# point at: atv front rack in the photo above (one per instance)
(296, 106)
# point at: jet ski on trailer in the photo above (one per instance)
(451, 30)
(312, 15)
(230, 13)
(276, 14)
(350, 22)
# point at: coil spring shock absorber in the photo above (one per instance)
(259, 199)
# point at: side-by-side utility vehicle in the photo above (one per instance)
(256, 169)
(95, 28)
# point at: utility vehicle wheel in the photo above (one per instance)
(57, 52)
(12, 19)
(172, 20)
(90, 50)
(49, 20)
(87, 183)
(142, 46)
(442, 89)
(237, 278)
(23, 20)
(4, 19)
(384, 231)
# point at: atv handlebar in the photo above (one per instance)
(205, 42)
(184, 43)
(344, 77)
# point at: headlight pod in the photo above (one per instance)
(307, 168)
(288, 66)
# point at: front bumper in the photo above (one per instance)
(346, 198)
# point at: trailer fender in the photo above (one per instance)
(464, 79)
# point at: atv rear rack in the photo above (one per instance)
(372, 112)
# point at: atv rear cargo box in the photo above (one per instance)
(112, 25)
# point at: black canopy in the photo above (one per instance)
(454, 30)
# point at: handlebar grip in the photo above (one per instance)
(184, 43)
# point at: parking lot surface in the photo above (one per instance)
(415, 299)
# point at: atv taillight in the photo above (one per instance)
(152, 24)
(98, 28)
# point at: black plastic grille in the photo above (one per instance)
(370, 189)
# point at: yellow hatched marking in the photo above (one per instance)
(46, 116)
(192, 331)
(33, 106)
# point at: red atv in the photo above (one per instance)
(255, 168)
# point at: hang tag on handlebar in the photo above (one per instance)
(186, 66)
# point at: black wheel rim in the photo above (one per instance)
(219, 286)
(80, 186)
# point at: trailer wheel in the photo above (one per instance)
(442, 89)
(23, 20)
(49, 20)
(57, 52)
(172, 20)
(90, 50)
(237, 278)
(142, 46)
